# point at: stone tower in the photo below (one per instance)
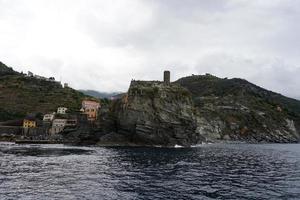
(167, 76)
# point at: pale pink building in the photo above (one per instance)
(90, 108)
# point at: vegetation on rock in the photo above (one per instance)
(246, 111)
(188, 111)
(21, 95)
(153, 113)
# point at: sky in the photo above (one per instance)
(103, 44)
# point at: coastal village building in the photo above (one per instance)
(48, 117)
(29, 123)
(41, 77)
(58, 125)
(90, 108)
(32, 75)
(61, 110)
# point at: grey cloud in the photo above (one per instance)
(271, 74)
(114, 42)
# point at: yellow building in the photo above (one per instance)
(29, 123)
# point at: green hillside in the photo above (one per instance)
(238, 89)
(4, 70)
(21, 95)
(101, 95)
(241, 105)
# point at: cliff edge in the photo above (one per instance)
(237, 110)
(201, 108)
(154, 113)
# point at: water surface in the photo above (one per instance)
(218, 171)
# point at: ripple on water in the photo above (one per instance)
(235, 171)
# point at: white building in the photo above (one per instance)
(58, 125)
(61, 110)
(49, 117)
(40, 77)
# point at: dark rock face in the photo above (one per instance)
(9, 133)
(79, 136)
(115, 139)
(154, 113)
(234, 109)
(84, 133)
(209, 109)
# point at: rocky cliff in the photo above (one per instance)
(201, 108)
(154, 113)
(234, 109)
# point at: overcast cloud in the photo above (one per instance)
(103, 44)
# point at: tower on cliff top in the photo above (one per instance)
(167, 76)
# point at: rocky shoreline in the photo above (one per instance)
(154, 113)
(188, 112)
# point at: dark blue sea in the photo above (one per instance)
(212, 171)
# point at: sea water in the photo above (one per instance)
(214, 171)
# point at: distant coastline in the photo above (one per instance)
(192, 110)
